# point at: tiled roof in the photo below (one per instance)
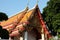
(14, 18)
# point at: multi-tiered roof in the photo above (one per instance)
(26, 19)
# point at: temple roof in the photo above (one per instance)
(14, 18)
(33, 16)
(29, 14)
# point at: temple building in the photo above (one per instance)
(27, 25)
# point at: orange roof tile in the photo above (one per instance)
(14, 18)
(27, 16)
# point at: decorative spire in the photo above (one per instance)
(37, 2)
(36, 5)
(27, 4)
(27, 8)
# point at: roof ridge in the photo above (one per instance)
(26, 9)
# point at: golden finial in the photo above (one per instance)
(37, 2)
(28, 2)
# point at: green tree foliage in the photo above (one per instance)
(51, 14)
(3, 16)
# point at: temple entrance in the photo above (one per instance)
(32, 35)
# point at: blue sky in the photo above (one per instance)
(11, 7)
